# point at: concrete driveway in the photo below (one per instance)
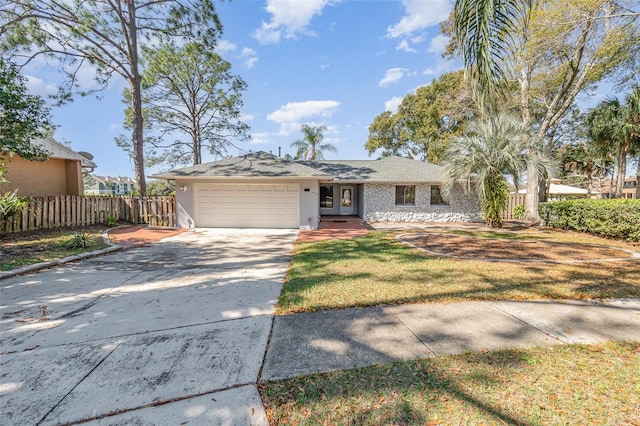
(171, 333)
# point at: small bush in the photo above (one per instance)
(78, 241)
(619, 218)
(518, 212)
(11, 205)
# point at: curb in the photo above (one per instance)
(51, 263)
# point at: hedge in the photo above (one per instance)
(618, 218)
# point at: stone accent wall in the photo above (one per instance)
(380, 206)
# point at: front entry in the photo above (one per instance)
(346, 200)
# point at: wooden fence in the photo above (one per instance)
(514, 200)
(71, 210)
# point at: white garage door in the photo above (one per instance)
(233, 205)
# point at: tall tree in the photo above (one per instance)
(554, 49)
(616, 125)
(489, 149)
(107, 35)
(23, 117)
(425, 121)
(310, 147)
(584, 162)
(191, 102)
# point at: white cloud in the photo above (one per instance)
(225, 46)
(249, 56)
(419, 15)
(438, 44)
(393, 75)
(404, 46)
(37, 86)
(260, 138)
(392, 104)
(288, 19)
(429, 71)
(291, 115)
(246, 117)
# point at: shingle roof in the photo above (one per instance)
(254, 164)
(262, 164)
(388, 169)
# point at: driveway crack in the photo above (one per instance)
(88, 305)
(80, 381)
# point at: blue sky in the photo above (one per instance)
(337, 63)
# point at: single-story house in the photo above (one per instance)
(265, 191)
(60, 174)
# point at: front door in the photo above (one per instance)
(346, 200)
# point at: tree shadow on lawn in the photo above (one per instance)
(398, 387)
(376, 270)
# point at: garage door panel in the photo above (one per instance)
(247, 205)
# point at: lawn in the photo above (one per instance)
(26, 248)
(376, 269)
(574, 384)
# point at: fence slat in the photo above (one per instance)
(63, 210)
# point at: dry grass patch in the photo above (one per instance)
(26, 248)
(574, 384)
(376, 269)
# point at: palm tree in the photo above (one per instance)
(616, 126)
(489, 149)
(310, 147)
(483, 29)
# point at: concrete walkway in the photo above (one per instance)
(337, 340)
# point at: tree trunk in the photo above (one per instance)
(531, 200)
(135, 83)
(622, 168)
(638, 180)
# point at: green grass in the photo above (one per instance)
(376, 269)
(28, 248)
(575, 384)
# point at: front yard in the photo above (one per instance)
(377, 269)
(564, 384)
(26, 248)
(561, 385)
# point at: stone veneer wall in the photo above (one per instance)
(380, 206)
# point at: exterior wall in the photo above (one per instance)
(40, 179)
(74, 177)
(380, 206)
(309, 200)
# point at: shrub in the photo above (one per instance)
(78, 241)
(518, 212)
(11, 205)
(619, 218)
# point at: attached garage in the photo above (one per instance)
(247, 205)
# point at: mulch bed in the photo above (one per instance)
(486, 248)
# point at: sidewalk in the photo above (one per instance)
(318, 342)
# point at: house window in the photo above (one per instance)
(436, 196)
(326, 196)
(405, 195)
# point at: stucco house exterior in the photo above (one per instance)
(263, 190)
(60, 174)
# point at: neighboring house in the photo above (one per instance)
(107, 185)
(558, 191)
(608, 190)
(262, 190)
(60, 174)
